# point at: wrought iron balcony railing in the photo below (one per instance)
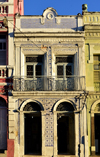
(49, 83)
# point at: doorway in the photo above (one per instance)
(97, 134)
(65, 129)
(66, 134)
(62, 131)
(33, 141)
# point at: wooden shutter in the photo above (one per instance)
(38, 70)
(29, 71)
(60, 71)
(68, 70)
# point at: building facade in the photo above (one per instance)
(8, 9)
(48, 101)
(49, 83)
(92, 61)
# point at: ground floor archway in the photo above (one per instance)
(97, 134)
(95, 128)
(32, 129)
(33, 133)
(65, 129)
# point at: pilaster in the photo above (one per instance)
(10, 46)
(18, 61)
(76, 134)
(92, 136)
(22, 143)
(43, 132)
(55, 134)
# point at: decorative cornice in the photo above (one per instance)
(92, 35)
(76, 40)
(46, 93)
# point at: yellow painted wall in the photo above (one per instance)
(92, 46)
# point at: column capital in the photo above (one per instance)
(17, 44)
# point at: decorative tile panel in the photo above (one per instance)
(49, 62)
(49, 121)
(68, 23)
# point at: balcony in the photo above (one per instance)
(6, 73)
(4, 9)
(3, 71)
(49, 83)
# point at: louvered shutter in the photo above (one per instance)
(3, 128)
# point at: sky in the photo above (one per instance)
(63, 7)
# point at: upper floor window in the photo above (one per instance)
(34, 66)
(64, 66)
(2, 49)
(96, 64)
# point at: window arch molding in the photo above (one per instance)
(64, 100)
(30, 100)
(73, 105)
(22, 122)
(94, 105)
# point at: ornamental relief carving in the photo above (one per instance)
(94, 97)
(52, 40)
(92, 34)
(65, 49)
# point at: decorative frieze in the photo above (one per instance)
(31, 49)
(52, 40)
(94, 97)
(65, 49)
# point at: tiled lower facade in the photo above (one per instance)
(57, 124)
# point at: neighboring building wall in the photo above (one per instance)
(19, 7)
(7, 15)
(5, 67)
(92, 53)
